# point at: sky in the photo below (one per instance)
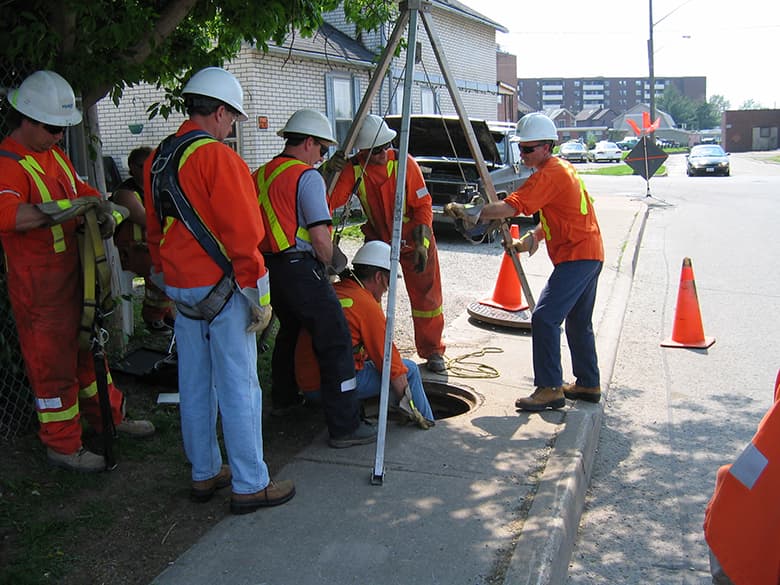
(733, 43)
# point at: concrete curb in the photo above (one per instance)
(546, 542)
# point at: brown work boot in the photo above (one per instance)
(577, 392)
(274, 494)
(136, 429)
(543, 397)
(81, 461)
(202, 490)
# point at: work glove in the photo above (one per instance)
(406, 406)
(422, 236)
(259, 314)
(62, 210)
(334, 165)
(468, 213)
(157, 278)
(110, 215)
(338, 262)
(527, 243)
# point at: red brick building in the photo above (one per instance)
(746, 130)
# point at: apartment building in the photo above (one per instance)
(615, 93)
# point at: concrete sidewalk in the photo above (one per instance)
(487, 497)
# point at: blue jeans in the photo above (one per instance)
(569, 294)
(369, 382)
(218, 373)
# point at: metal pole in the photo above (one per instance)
(395, 245)
(651, 65)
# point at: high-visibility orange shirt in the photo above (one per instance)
(570, 226)
(17, 186)
(218, 185)
(380, 184)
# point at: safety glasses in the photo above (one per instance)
(324, 148)
(53, 130)
(529, 149)
(380, 149)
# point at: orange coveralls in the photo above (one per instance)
(377, 197)
(45, 290)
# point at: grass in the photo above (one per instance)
(618, 170)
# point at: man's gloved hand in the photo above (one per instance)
(407, 406)
(422, 236)
(62, 210)
(527, 243)
(334, 165)
(338, 262)
(468, 213)
(110, 215)
(259, 318)
(259, 315)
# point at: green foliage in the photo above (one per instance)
(101, 47)
(691, 114)
(751, 104)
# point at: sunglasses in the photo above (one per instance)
(529, 149)
(323, 148)
(53, 130)
(380, 149)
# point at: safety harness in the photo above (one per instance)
(170, 203)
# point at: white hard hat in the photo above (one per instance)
(46, 97)
(309, 123)
(374, 253)
(373, 132)
(536, 126)
(217, 83)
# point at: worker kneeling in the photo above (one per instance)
(360, 292)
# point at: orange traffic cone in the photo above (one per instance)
(688, 331)
(507, 293)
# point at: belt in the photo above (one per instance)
(288, 256)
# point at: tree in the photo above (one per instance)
(719, 103)
(101, 46)
(679, 107)
(751, 104)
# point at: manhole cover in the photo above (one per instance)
(446, 400)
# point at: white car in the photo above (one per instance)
(605, 151)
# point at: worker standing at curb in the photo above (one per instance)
(375, 170)
(568, 225)
(42, 200)
(298, 248)
(203, 230)
(360, 291)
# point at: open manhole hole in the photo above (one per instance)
(447, 400)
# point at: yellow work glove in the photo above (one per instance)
(62, 210)
(259, 318)
(527, 243)
(406, 405)
(422, 236)
(110, 215)
(467, 213)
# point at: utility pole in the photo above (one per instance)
(651, 65)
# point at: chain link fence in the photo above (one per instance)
(17, 412)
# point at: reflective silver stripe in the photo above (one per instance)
(749, 466)
(48, 403)
(348, 385)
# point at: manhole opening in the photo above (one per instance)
(446, 400)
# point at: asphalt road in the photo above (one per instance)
(673, 416)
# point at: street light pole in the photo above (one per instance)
(650, 52)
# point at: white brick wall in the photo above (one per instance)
(275, 86)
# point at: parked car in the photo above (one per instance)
(627, 143)
(605, 151)
(439, 146)
(573, 151)
(708, 159)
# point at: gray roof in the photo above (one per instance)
(462, 9)
(327, 44)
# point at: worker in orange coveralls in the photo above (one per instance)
(375, 169)
(41, 201)
(742, 521)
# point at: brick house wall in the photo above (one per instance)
(746, 130)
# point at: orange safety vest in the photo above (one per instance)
(742, 521)
(277, 194)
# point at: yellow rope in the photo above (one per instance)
(460, 368)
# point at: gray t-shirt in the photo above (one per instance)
(312, 205)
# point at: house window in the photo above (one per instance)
(428, 103)
(233, 139)
(341, 95)
(764, 132)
